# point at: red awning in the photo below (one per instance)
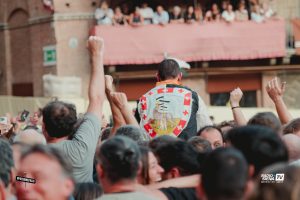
(205, 42)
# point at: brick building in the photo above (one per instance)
(27, 27)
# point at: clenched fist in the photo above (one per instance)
(95, 45)
(235, 97)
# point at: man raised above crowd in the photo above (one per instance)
(171, 108)
(59, 120)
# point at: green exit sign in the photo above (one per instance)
(49, 55)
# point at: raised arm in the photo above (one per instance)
(96, 92)
(118, 119)
(181, 182)
(276, 92)
(120, 100)
(235, 98)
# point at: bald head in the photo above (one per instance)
(292, 143)
(30, 137)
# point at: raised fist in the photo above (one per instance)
(235, 97)
(95, 45)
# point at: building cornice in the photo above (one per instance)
(72, 16)
(50, 18)
(196, 72)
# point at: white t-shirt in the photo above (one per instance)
(228, 16)
(81, 148)
(269, 13)
(147, 14)
(104, 16)
(161, 19)
(257, 17)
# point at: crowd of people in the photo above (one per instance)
(169, 150)
(145, 15)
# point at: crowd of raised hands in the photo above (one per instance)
(275, 90)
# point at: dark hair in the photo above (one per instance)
(105, 133)
(168, 69)
(289, 189)
(59, 119)
(223, 124)
(133, 132)
(230, 123)
(208, 128)
(225, 174)
(267, 119)
(6, 162)
(292, 127)
(199, 144)
(87, 191)
(178, 154)
(260, 145)
(119, 158)
(160, 141)
(145, 165)
(53, 154)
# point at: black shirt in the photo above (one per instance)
(188, 17)
(173, 17)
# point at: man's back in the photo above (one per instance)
(169, 110)
(81, 148)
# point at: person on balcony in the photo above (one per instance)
(242, 14)
(136, 18)
(161, 16)
(267, 11)
(104, 15)
(224, 5)
(199, 13)
(147, 13)
(176, 16)
(228, 15)
(213, 14)
(190, 16)
(255, 14)
(119, 17)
